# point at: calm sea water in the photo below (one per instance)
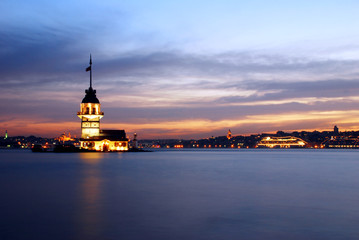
(243, 194)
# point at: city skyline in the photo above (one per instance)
(180, 69)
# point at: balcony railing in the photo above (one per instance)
(86, 113)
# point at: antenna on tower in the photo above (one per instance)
(90, 69)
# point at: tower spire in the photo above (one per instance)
(90, 71)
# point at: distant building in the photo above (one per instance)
(135, 144)
(229, 134)
(92, 138)
(336, 130)
(64, 138)
(341, 142)
(281, 142)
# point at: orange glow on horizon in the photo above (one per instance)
(347, 120)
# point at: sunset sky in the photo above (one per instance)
(180, 68)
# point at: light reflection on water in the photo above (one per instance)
(256, 194)
(89, 194)
(91, 157)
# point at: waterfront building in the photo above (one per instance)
(281, 142)
(92, 137)
(341, 142)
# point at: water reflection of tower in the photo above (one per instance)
(90, 191)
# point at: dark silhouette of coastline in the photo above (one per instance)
(314, 139)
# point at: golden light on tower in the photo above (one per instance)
(92, 138)
(90, 115)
